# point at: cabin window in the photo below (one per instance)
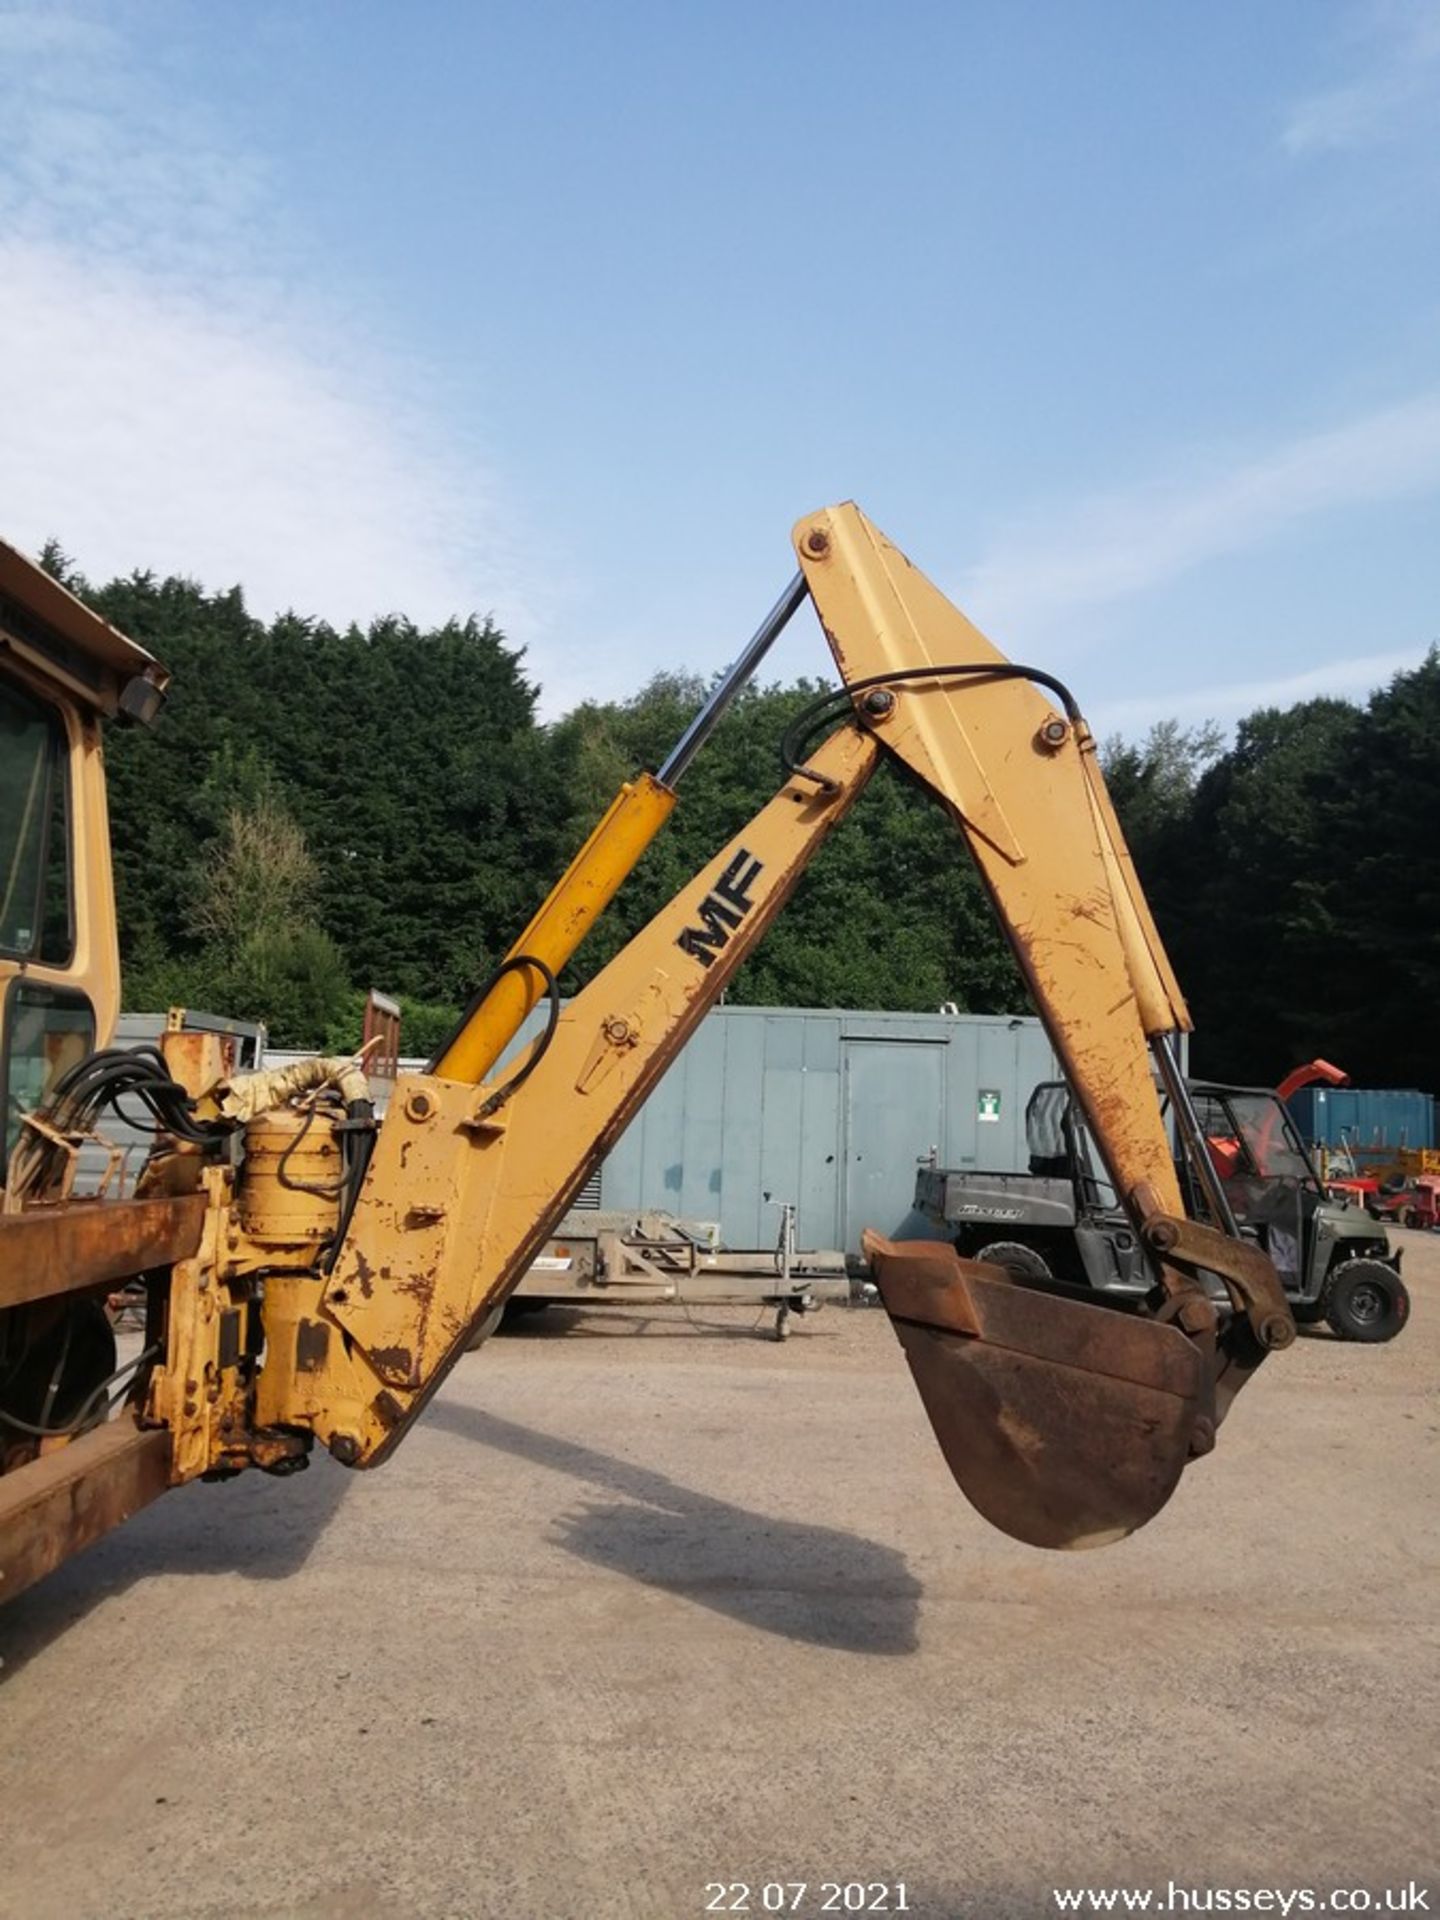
(48, 1030)
(36, 921)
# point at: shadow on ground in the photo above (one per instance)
(816, 1584)
(625, 1320)
(258, 1526)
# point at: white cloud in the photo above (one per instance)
(1126, 543)
(173, 398)
(142, 427)
(1396, 86)
(1355, 674)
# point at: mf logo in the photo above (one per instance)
(722, 909)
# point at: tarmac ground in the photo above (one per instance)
(652, 1606)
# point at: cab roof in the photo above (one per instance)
(44, 624)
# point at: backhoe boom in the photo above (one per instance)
(328, 1276)
(467, 1182)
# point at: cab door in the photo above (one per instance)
(58, 969)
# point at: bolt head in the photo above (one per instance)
(878, 702)
(816, 543)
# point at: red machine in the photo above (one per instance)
(1416, 1204)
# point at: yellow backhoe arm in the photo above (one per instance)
(1066, 1421)
(468, 1182)
(319, 1282)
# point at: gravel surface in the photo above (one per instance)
(652, 1603)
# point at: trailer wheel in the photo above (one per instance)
(1017, 1259)
(486, 1327)
(1366, 1300)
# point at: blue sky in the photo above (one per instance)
(1123, 319)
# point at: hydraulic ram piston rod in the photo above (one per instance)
(594, 876)
(1193, 1134)
(743, 669)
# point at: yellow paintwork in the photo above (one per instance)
(572, 907)
(1037, 820)
(188, 1391)
(459, 1196)
(462, 1190)
(471, 1171)
(68, 656)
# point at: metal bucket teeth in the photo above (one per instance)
(1064, 1424)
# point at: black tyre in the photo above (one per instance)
(1016, 1258)
(486, 1327)
(1366, 1300)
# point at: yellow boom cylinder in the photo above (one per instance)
(571, 908)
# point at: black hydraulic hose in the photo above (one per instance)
(515, 964)
(101, 1391)
(541, 1046)
(799, 736)
(105, 1078)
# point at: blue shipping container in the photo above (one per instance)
(1365, 1118)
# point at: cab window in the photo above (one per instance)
(35, 892)
(47, 1031)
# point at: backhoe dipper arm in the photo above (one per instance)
(1022, 783)
(467, 1180)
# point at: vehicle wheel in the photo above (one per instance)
(1366, 1300)
(1410, 1218)
(60, 1357)
(1016, 1258)
(486, 1327)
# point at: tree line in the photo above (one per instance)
(321, 810)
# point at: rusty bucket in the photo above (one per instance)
(1065, 1423)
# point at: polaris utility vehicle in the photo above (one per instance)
(1063, 1220)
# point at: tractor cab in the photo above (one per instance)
(63, 670)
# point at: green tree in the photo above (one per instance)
(415, 814)
(1373, 890)
(890, 913)
(410, 760)
(1152, 781)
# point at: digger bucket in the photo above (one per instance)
(1065, 1424)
